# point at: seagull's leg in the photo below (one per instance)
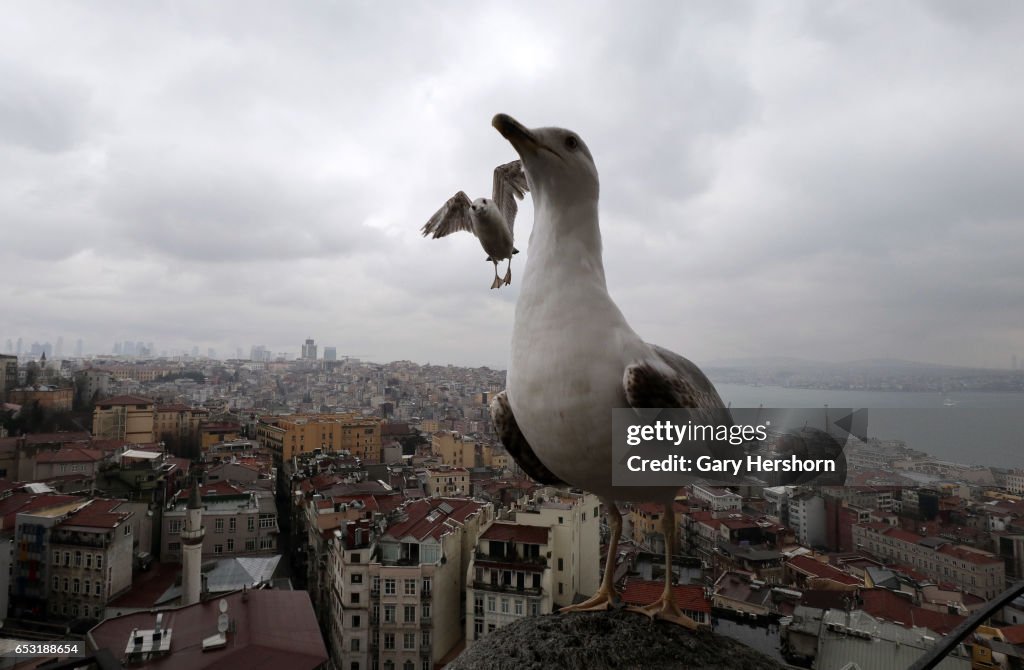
(497, 280)
(508, 273)
(665, 607)
(606, 595)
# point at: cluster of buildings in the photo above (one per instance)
(372, 505)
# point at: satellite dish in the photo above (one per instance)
(222, 623)
(223, 605)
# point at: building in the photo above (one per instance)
(237, 523)
(91, 559)
(718, 499)
(128, 418)
(302, 434)
(330, 353)
(30, 583)
(511, 577)
(807, 518)
(309, 350)
(8, 373)
(178, 421)
(266, 628)
(53, 398)
(446, 481)
(972, 570)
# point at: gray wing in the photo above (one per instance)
(509, 184)
(452, 217)
(516, 445)
(666, 379)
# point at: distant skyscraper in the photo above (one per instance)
(17, 350)
(309, 350)
(59, 349)
(78, 348)
(330, 353)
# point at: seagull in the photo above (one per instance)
(574, 356)
(491, 220)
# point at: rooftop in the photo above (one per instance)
(501, 531)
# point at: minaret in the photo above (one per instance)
(192, 550)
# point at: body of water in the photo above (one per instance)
(976, 428)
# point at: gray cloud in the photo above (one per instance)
(810, 180)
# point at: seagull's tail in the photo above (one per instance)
(514, 251)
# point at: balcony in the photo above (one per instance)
(94, 541)
(506, 588)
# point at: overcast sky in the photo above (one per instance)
(832, 181)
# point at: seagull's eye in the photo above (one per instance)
(571, 143)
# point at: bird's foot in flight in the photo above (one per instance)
(665, 609)
(601, 601)
(508, 277)
(497, 282)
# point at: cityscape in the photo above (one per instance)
(368, 514)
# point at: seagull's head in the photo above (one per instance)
(558, 164)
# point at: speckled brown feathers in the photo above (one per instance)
(516, 445)
(647, 386)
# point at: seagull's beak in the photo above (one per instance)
(522, 139)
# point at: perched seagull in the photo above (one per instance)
(574, 356)
(490, 220)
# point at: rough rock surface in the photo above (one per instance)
(600, 640)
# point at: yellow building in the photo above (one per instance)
(128, 418)
(453, 449)
(300, 434)
(49, 397)
(178, 420)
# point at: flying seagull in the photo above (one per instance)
(491, 220)
(575, 358)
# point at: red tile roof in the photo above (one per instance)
(815, 568)
(30, 502)
(1014, 634)
(272, 628)
(70, 454)
(423, 518)
(969, 555)
(644, 592)
(99, 513)
(125, 400)
(884, 604)
(514, 532)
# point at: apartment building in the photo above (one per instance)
(128, 418)
(977, 572)
(717, 499)
(91, 552)
(302, 434)
(237, 523)
(446, 481)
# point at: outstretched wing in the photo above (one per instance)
(509, 184)
(516, 445)
(452, 217)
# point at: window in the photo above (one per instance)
(504, 605)
(250, 544)
(389, 587)
(478, 605)
(267, 520)
(99, 561)
(67, 558)
(251, 523)
(409, 641)
(561, 565)
(56, 558)
(478, 627)
(427, 583)
(218, 548)
(356, 621)
(76, 585)
(409, 615)
(99, 588)
(354, 597)
(231, 544)
(267, 542)
(174, 527)
(88, 561)
(410, 587)
(408, 665)
(375, 584)
(425, 639)
(56, 583)
(534, 608)
(128, 529)
(425, 611)
(389, 641)
(232, 524)
(357, 578)
(561, 588)
(389, 613)
(218, 525)
(376, 613)
(492, 604)
(519, 607)
(354, 645)
(66, 582)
